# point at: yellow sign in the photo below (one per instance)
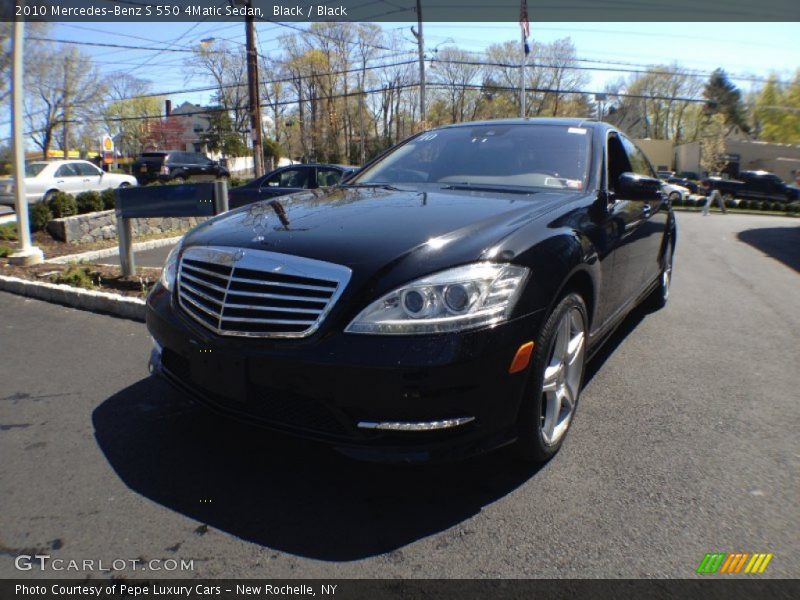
(108, 143)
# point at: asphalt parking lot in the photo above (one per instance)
(685, 442)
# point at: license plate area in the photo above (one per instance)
(221, 375)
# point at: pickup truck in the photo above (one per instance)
(755, 185)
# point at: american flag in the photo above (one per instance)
(524, 24)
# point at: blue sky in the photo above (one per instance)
(742, 49)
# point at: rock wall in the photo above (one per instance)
(96, 226)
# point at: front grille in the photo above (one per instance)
(255, 293)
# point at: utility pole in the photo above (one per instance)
(421, 46)
(27, 254)
(252, 85)
(522, 108)
(66, 110)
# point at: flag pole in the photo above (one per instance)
(524, 25)
(522, 110)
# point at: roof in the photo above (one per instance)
(563, 121)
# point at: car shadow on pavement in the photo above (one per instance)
(780, 243)
(286, 494)
(612, 342)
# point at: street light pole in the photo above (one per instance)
(28, 254)
(252, 85)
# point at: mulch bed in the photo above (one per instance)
(102, 278)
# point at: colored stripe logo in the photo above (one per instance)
(730, 564)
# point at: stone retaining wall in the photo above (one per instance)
(92, 227)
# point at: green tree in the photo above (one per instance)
(726, 99)
(221, 135)
(770, 117)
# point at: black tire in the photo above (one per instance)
(674, 197)
(531, 443)
(49, 195)
(123, 185)
(659, 297)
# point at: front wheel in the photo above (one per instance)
(659, 296)
(555, 382)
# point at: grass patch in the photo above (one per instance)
(77, 276)
(8, 232)
(5, 251)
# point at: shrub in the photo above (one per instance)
(88, 202)
(40, 214)
(76, 276)
(778, 206)
(8, 231)
(109, 198)
(5, 251)
(794, 207)
(63, 205)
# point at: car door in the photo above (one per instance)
(68, 178)
(646, 251)
(287, 181)
(91, 176)
(203, 164)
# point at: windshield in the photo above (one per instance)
(33, 169)
(520, 156)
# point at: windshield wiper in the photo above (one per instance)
(473, 187)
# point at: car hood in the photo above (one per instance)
(370, 228)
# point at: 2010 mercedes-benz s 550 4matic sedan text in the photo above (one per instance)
(440, 303)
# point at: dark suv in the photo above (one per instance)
(170, 165)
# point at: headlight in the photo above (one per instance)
(454, 300)
(170, 270)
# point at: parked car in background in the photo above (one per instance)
(753, 185)
(43, 179)
(287, 180)
(442, 302)
(675, 192)
(174, 165)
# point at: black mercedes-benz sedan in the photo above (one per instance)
(441, 303)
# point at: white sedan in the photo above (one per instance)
(675, 192)
(44, 178)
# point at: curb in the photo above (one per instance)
(113, 251)
(117, 305)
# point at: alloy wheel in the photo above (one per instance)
(562, 377)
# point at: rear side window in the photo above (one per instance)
(292, 178)
(328, 177)
(67, 170)
(87, 169)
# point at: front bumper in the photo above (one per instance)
(386, 398)
(10, 199)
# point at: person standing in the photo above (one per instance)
(710, 198)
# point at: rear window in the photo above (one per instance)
(152, 156)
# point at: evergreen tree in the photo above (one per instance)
(726, 99)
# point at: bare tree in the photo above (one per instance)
(64, 90)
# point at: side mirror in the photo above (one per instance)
(631, 186)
